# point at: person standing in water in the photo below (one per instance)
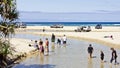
(102, 56)
(64, 39)
(90, 50)
(58, 41)
(41, 48)
(47, 45)
(53, 38)
(114, 56)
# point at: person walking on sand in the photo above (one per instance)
(41, 48)
(90, 50)
(114, 56)
(53, 38)
(102, 56)
(47, 45)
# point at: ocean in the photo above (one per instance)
(72, 23)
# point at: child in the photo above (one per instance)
(47, 45)
(41, 48)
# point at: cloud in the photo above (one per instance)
(107, 11)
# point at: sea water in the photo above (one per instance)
(72, 23)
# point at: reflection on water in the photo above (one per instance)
(102, 65)
(52, 46)
(90, 64)
(41, 58)
(73, 55)
(114, 66)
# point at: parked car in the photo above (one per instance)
(23, 25)
(20, 25)
(56, 26)
(78, 29)
(87, 29)
(98, 26)
(83, 29)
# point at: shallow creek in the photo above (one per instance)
(73, 55)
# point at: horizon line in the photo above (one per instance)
(97, 11)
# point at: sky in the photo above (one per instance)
(84, 8)
(68, 5)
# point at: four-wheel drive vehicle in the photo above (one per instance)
(98, 26)
(56, 26)
(83, 29)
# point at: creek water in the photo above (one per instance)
(73, 55)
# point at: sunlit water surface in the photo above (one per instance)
(73, 55)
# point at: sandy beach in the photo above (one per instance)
(21, 45)
(72, 28)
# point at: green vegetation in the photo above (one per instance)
(8, 17)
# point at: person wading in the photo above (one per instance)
(53, 38)
(90, 50)
(114, 56)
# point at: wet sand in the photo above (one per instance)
(74, 55)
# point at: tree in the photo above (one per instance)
(8, 16)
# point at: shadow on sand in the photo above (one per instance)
(35, 66)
